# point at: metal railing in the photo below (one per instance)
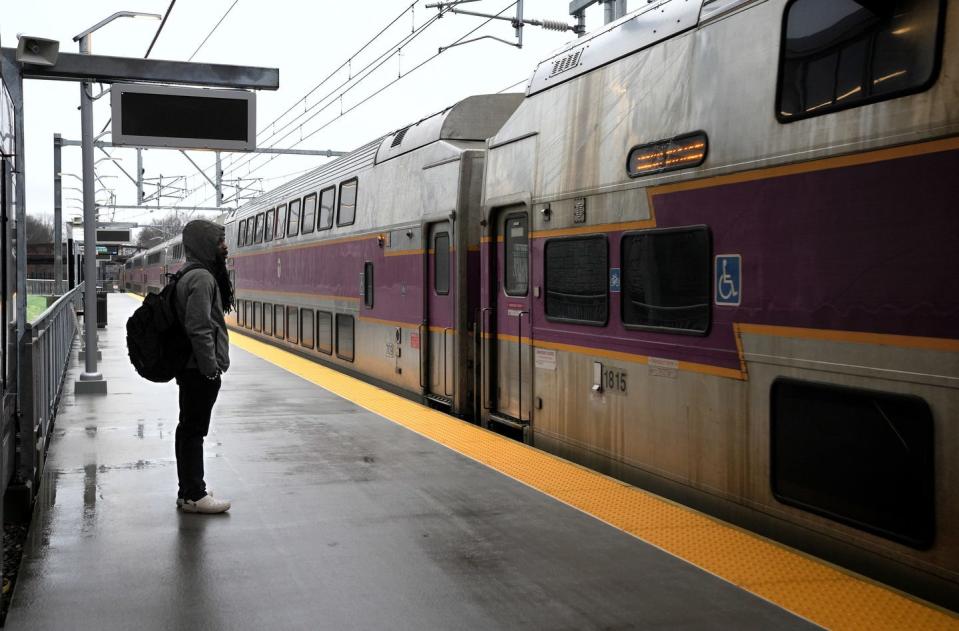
(40, 287)
(44, 358)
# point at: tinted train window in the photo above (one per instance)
(248, 239)
(280, 231)
(240, 234)
(860, 457)
(258, 230)
(324, 332)
(268, 318)
(248, 314)
(292, 328)
(293, 222)
(270, 224)
(344, 336)
(279, 319)
(441, 263)
(240, 313)
(346, 214)
(666, 279)
(306, 328)
(576, 280)
(516, 269)
(368, 285)
(838, 54)
(308, 219)
(325, 221)
(257, 316)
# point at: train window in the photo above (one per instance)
(248, 314)
(324, 332)
(306, 328)
(516, 269)
(257, 316)
(325, 220)
(837, 54)
(279, 319)
(258, 229)
(666, 279)
(268, 226)
(861, 457)
(308, 219)
(240, 234)
(346, 214)
(239, 313)
(368, 285)
(681, 152)
(248, 232)
(280, 231)
(293, 221)
(577, 285)
(344, 336)
(441, 263)
(267, 318)
(292, 329)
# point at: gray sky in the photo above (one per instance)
(307, 41)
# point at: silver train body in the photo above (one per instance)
(673, 261)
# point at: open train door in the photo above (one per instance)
(439, 338)
(509, 325)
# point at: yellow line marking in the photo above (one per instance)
(395, 323)
(404, 252)
(822, 593)
(852, 337)
(644, 224)
(636, 358)
(295, 294)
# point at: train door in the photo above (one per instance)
(511, 369)
(440, 382)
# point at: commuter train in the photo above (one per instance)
(712, 251)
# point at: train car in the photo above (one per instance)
(710, 252)
(719, 261)
(364, 263)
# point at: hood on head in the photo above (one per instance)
(201, 241)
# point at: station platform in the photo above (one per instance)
(357, 509)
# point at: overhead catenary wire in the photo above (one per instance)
(159, 29)
(231, 161)
(330, 97)
(381, 89)
(213, 30)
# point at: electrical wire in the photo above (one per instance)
(364, 72)
(162, 24)
(213, 30)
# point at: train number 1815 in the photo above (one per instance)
(614, 381)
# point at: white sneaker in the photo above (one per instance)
(180, 501)
(207, 504)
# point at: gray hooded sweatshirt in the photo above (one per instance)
(198, 300)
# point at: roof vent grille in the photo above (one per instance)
(398, 138)
(568, 62)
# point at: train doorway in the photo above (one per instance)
(511, 373)
(440, 334)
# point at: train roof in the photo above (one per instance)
(653, 23)
(475, 118)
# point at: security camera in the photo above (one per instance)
(37, 51)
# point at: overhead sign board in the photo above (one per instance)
(183, 118)
(113, 237)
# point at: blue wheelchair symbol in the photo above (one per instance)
(729, 279)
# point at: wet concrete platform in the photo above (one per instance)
(340, 520)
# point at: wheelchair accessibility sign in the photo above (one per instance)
(729, 279)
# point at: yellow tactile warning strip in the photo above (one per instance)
(810, 588)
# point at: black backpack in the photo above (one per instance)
(158, 346)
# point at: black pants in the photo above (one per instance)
(197, 396)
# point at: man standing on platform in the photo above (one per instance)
(203, 295)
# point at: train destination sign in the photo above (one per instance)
(183, 118)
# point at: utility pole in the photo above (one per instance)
(57, 216)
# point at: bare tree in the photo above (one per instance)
(39, 229)
(162, 229)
